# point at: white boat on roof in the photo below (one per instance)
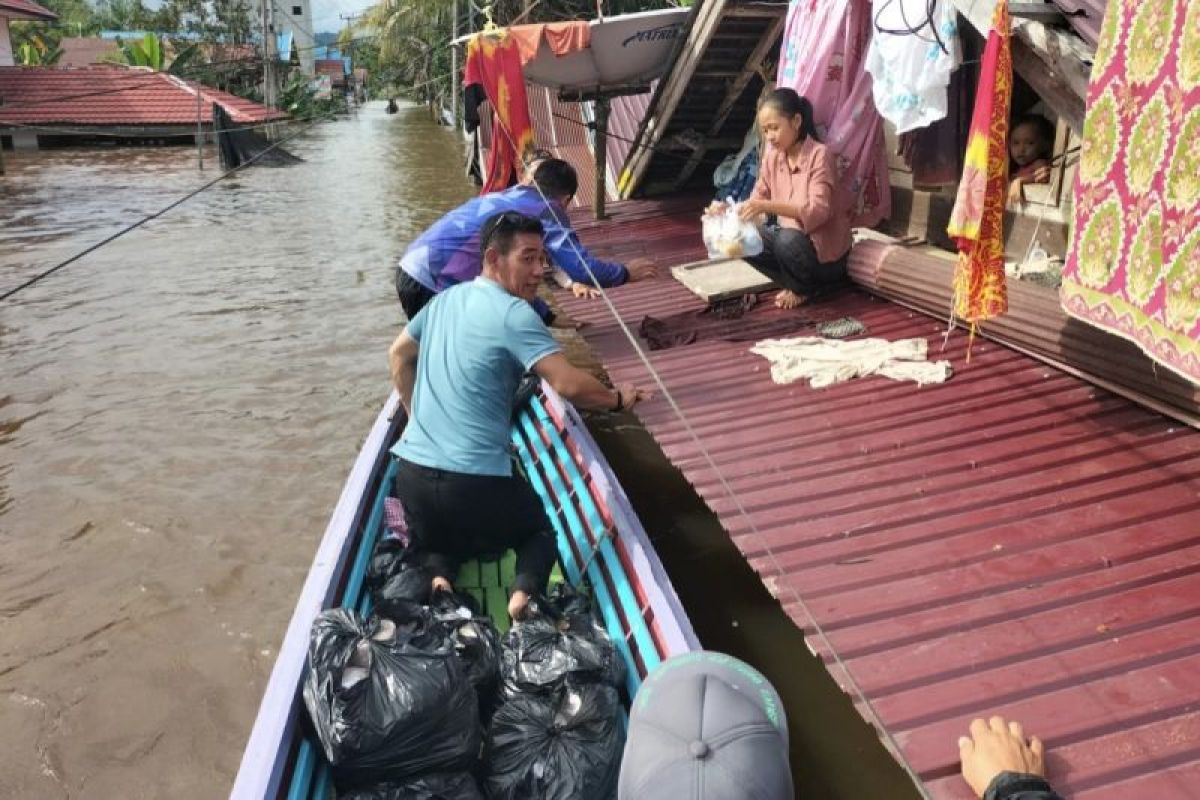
(625, 51)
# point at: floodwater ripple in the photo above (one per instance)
(179, 412)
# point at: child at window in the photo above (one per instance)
(1030, 145)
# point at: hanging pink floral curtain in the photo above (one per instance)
(1134, 263)
(822, 58)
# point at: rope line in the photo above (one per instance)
(875, 719)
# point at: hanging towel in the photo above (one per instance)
(561, 37)
(913, 52)
(825, 362)
(494, 64)
(822, 58)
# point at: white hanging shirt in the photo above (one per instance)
(910, 72)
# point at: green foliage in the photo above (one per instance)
(299, 99)
(36, 51)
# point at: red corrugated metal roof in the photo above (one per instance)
(560, 128)
(25, 9)
(625, 117)
(1013, 541)
(113, 96)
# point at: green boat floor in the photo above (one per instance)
(488, 582)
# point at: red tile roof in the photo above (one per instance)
(1014, 541)
(113, 96)
(25, 9)
(84, 51)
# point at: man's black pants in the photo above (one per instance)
(454, 517)
(413, 295)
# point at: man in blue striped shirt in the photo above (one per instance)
(448, 252)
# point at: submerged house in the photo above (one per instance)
(18, 10)
(1020, 539)
(55, 106)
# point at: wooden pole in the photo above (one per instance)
(454, 79)
(199, 130)
(601, 156)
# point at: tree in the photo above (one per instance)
(149, 52)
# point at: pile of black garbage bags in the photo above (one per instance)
(424, 701)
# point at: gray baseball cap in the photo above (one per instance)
(706, 726)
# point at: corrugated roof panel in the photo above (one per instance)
(1013, 541)
(113, 96)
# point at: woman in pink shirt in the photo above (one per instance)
(805, 237)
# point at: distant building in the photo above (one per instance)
(18, 9)
(335, 68)
(84, 51)
(45, 106)
(293, 24)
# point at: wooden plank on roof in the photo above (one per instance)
(720, 279)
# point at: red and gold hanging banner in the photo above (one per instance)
(977, 221)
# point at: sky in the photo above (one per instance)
(326, 13)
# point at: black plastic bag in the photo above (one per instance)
(476, 640)
(559, 637)
(397, 579)
(460, 786)
(564, 745)
(388, 699)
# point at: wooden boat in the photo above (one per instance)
(599, 539)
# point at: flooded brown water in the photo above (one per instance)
(178, 412)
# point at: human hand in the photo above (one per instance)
(997, 746)
(1016, 197)
(716, 207)
(752, 209)
(630, 395)
(640, 269)
(1041, 174)
(583, 291)
(518, 604)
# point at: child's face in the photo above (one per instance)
(1024, 145)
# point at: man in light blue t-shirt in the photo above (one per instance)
(457, 366)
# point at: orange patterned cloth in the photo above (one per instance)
(977, 221)
(562, 37)
(494, 62)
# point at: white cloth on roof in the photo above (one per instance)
(828, 361)
(910, 71)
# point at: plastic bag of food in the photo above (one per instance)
(397, 578)
(476, 640)
(559, 637)
(460, 786)
(388, 698)
(564, 745)
(726, 235)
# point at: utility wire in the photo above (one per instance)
(174, 204)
